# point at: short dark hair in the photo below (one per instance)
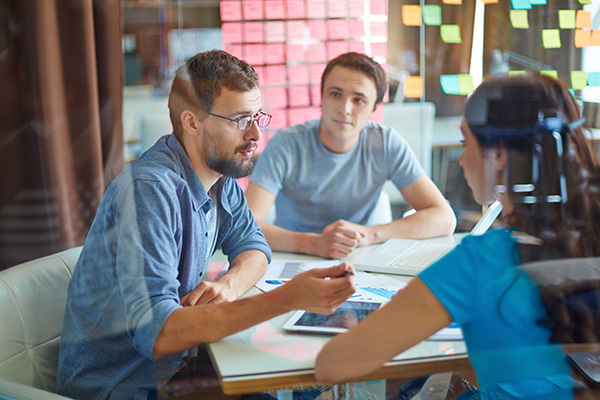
(200, 80)
(363, 63)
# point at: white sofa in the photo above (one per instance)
(32, 302)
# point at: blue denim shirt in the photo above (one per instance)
(148, 247)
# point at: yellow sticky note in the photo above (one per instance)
(450, 33)
(566, 19)
(516, 72)
(465, 84)
(551, 38)
(595, 38)
(519, 19)
(578, 79)
(550, 72)
(583, 19)
(583, 38)
(457, 2)
(411, 15)
(413, 87)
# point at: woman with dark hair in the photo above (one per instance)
(524, 145)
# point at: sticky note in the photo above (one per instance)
(317, 29)
(519, 19)
(231, 10)
(489, 1)
(585, 1)
(378, 115)
(316, 52)
(315, 8)
(516, 72)
(593, 78)
(274, 9)
(583, 38)
(279, 120)
(274, 32)
(299, 96)
(295, 53)
(295, 30)
(456, 2)
(336, 9)
(578, 79)
(295, 9)
(521, 4)
(566, 19)
(583, 19)
(550, 72)
(260, 71)
(356, 28)
(413, 87)
(336, 47)
(379, 7)
(379, 28)
(465, 84)
(379, 50)
(595, 38)
(356, 46)
(235, 50)
(539, 2)
(411, 15)
(316, 71)
(315, 95)
(296, 116)
(253, 53)
(253, 32)
(432, 14)
(337, 29)
(276, 98)
(449, 84)
(275, 75)
(551, 38)
(231, 32)
(253, 9)
(274, 53)
(298, 74)
(450, 33)
(356, 8)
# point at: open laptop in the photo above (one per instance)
(409, 257)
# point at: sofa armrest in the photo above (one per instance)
(15, 391)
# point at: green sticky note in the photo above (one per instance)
(566, 19)
(432, 14)
(550, 72)
(519, 19)
(516, 72)
(465, 84)
(551, 38)
(578, 79)
(450, 33)
(585, 1)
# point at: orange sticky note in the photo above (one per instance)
(583, 19)
(411, 15)
(457, 2)
(489, 1)
(413, 87)
(583, 38)
(595, 38)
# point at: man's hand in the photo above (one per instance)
(208, 292)
(320, 290)
(339, 238)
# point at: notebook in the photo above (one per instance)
(409, 257)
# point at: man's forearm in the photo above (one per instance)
(244, 271)
(281, 239)
(425, 223)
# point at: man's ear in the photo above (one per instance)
(189, 122)
(501, 155)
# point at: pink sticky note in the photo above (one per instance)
(235, 50)
(276, 98)
(336, 9)
(315, 95)
(379, 7)
(275, 75)
(377, 115)
(315, 8)
(274, 32)
(379, 28)
(274, 53)
(318, 29)
(260, 71)
(356, 28)
(379, 50)
(295, 30)
(274, 9)
(335, 48)
(312, 113)
(316, 71)
(316, 53)
(231, 32)
(295, 53)
(231, 11)
(253, 54)
(279, 120)
(337, 29)
(295, 9)
(296, 116)
(298, 74)
(356, 8)
(253, 9)
(356, 46)
(253, 32)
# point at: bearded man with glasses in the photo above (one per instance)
(136, 305)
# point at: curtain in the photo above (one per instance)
(60, 121)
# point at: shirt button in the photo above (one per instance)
(206, 234)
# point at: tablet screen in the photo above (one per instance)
(346, 316)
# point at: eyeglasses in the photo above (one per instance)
(245, 123)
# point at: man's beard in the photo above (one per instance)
(228, 166)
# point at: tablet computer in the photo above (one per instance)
(345, 317)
